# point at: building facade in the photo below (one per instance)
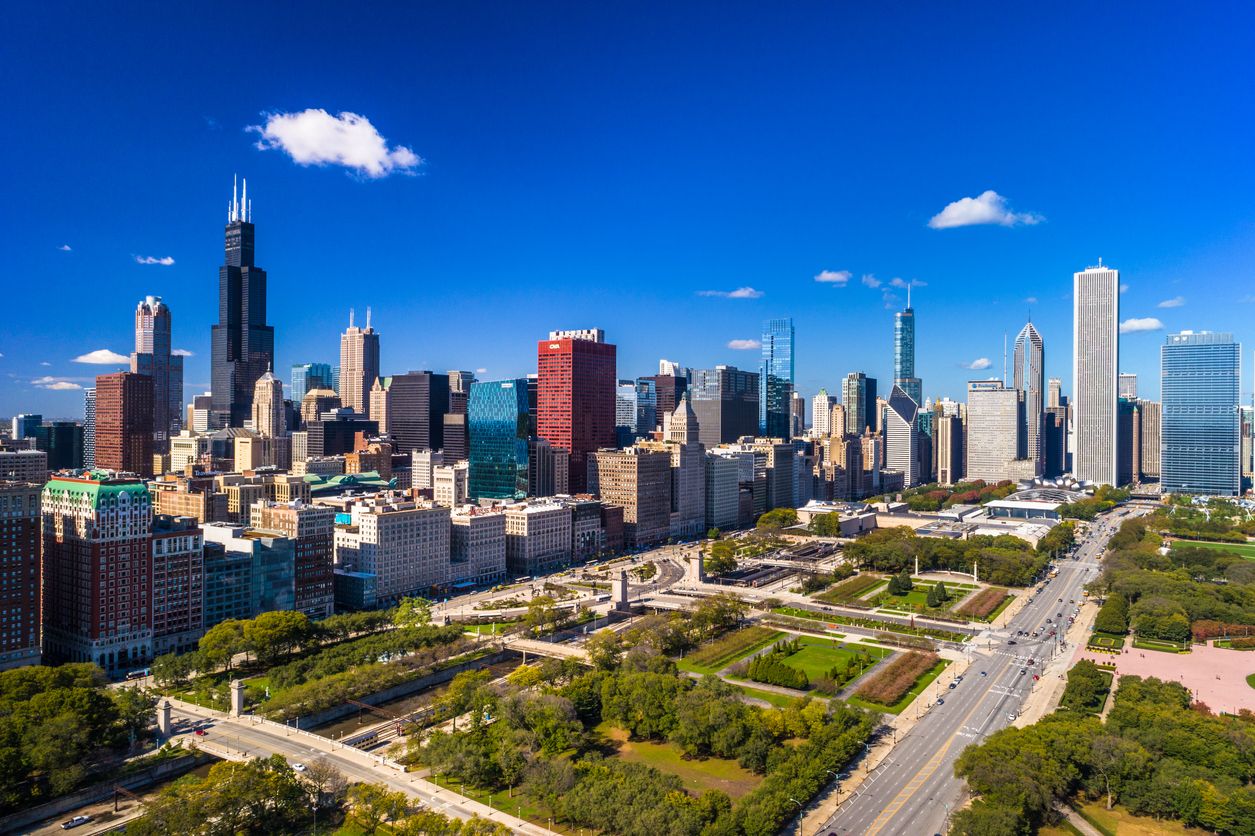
(178, 556)
(499, 424)
(411, 408)
(538, 537)
(307, 377)
(858, 393)
(725, 400)
(477, 546)
(403, 543)
(775, 379)
(359, 365)
(904, 354)
(124, 423)
(153, 356)
(311, 528)
(1095, 370)
(1030, 380)
(1200, 375)
(575, 408)
(902, 436)
(21, 575)
(638, 480)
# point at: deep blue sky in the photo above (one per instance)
(592, 164)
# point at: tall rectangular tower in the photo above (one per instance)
(154, 357)
(243, 344)
(359, 365)
(575, 398)
(904, 353)
(1200, 422)
(1095, 372)
(124, 423)
(1030, 379)
(775, 380)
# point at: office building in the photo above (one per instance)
(500, 426)
(1200, 374)
(996, 440)
(1127, 386)
(638, 480)
(725, 400)
(775, 381)
(402, 542)
(538, 537)
(688, 471)
(1055, 433)
(797, 415)
(411, 409)
(904, 354)
(723, 485)
(456, 433)
(1095, 368)
(24, 425)
(575, 407)
(548, 469)
(821, 415)
(477, 546)
(62, 441)
(949, 448)
(359, 365)
(228, 583)
(370, 456)
(668, 388)
(24, 466)
(124, 420)
(1030, 380)
(307, 377)
(243, 344)
(89, 428)
(1054, 396)
(337, 432)
(311, 528)
(178, 602)
(268, 410)
(1152, 439)
(902, 436)
(153, 356)
(21, 587)
(316, 404)
(858, 393)
(636, 409)
(201, 417)
(264, 564)
(1128, 442)
(449, 484)
(422, 465)
(97, 557)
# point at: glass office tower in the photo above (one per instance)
(499, 424)
(904, 353)
(776, 379)
(307, 376)
(1200, 424)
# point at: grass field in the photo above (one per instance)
(698, 774)
(778, 700)
(918, 596)
(818, 656)
(1161, 646)
(1250, 680)
(1246, 550)
(1124, 823)
(851, 589)
(725, 650)
(1105, 641)
(920, 684)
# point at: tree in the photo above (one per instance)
(721, 557)
(901, 584)
(1113, 617)
(1115, 758)
(412, 612)
(274, 634)
(605, 649)
(714, 534)
(371, 805)
(937, 595)
(222, 642)
(172, 669)
(326, 783)
(777, 518)
(544, 615)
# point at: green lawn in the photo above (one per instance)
(1250, 680)
(698, 774)
(1121, 821)
(1228, 644)
(920, 684)
(1161, 646)
(718, 654)
(1246, 550)
(1106, 641)
(818, 656)
(918, 596)
(851, 589)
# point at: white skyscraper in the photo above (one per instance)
(821, 414)
(902, 436)
(1095, 372)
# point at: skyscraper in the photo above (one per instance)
(902, 436)
(307, 376)
(858, 392)
(243, 344)
(775, 381)
(89, 428)
(1200, 429)
(20, 594)
(1095, 368)
(124, 423)
(359, 365)
(499, 425)
(411, 408)
(268, 406)
(153, 357)
(996, 439)
(904, 353)
(575, 396)
(1128, 385)
(1030, 379)
(821, 415)
(725, 400)
(25, 425)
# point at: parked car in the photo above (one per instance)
(69, 824)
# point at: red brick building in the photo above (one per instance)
(20, 580)
(575, 396)
(124, 422)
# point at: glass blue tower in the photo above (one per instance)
(1201, 430)
(904, 352)
(775, 382)
(499, 425)
(306, 376)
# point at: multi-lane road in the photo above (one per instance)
(914, 790)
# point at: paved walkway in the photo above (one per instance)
(1215, 676)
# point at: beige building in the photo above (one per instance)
(449, 484)
(359, 365)
(24, 466)
(188, 448)
(538, 537)
(268, 418)
(318, 466)
(423, 463)
(1151, 438)
(316, 402)
(638, 480)
(477, 545)
(402, 542)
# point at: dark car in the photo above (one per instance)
(1012, 641)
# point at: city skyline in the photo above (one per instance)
(668, 221)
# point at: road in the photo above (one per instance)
(914, 790)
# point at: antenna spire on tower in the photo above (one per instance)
(350, 317)
(244, 201)
(368, 317)
(235, 200)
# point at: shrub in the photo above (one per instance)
(983, 603)
(892, 683)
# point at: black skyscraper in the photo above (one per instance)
(243, 344)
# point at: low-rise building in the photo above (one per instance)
(403, 542)
(178, 584)
(538, 537)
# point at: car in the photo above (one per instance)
(299, 767)
(1023, 671)
(982, 673)
(1060, 600)
(1012, 716)
(200, 732)
(951, 686)
(1049, 621)
(1058, 615)
(941, 701)
(69, 824)
(1012, 641)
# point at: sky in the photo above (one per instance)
(675, 173)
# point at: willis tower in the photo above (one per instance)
(243, 344)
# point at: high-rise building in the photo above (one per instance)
(449, 484)
(638, 480)
(726, 402)
(1151, 418)
(243, 344)
(1127, 385)
(178, 597)
(268, 410)
(307, 376)
(858, 393)
(538, 536)
(316, 403)
(404, 544)
(20, 567)
(89, 428)
(575, 407)
(1095, 368)
(497, 416)
(1201, 374)
(1029, 378)
(775, 381)
(359, 365)
(411, 409)
(63, 442)
(153, 357)
(996, 439)
(821, 415)
(904, 353)
(1055, 397)
(902, 436)
(948, 443)
(797, 415)
(668, 389)
(25, 424)
(312, 529)
(124, 421)
(688, 471)
(1128, 441)
(548, 469)
(1055, 435)
(97, 552)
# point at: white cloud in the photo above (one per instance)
(744, 345)
(42, 363)
(1146, 323)
(315, 137)
(837, 277)
(978, 364)
(481, 371)
(870, 280)
(988, 208)
(55, 383)
(1124, 288)
(182, 352)
(65, 248)
(903, 283)
(739, 293)
(1032, 300)
(102, 357)
(1174, 302)
(164, 261)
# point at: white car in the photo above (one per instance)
(75, 822)
(299, 767)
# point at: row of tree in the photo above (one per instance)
(1003, 560)
(769, 666)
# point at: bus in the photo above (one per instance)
(138, 674)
